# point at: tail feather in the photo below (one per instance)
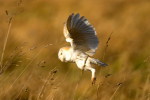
(98, 62)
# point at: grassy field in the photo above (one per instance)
(31, 33)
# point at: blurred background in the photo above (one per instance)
(31, 33)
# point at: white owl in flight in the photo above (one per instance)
(84, 42)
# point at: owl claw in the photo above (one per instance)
(93, 81)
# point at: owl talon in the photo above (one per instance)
(93, 80)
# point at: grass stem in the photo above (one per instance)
(5, 43)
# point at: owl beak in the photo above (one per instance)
(63, 59)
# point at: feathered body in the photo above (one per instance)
(84, 42)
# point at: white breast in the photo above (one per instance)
(80, 60)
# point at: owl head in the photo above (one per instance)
(64, 54)
(61, 55)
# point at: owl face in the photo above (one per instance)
(65, 54)
(61, 55)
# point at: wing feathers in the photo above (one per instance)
(69, 22)
(82, 33)
(75, 20)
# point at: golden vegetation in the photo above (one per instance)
(31, 35)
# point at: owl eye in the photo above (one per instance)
(61, 53)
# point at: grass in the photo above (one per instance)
(32, 71)
(5, 43)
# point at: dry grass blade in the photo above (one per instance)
(146, 88)
(105, 50)
(119, 85)
(23, 87)
(5, 43)
(51, 74)
(76, 88)
(6, 39)
(107, 42)
(22, 73)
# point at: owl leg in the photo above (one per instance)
(89, 67)
(93, 78)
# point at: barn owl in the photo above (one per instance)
(83, 40)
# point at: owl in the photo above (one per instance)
(83, 40)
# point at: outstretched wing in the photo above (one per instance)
(81, 34)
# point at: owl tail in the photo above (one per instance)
(98, 62)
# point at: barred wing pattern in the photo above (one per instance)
(81, 33)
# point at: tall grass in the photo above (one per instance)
(37, 33)
(5, 42)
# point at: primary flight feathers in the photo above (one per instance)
(82, 34)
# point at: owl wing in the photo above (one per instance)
(81, 34)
